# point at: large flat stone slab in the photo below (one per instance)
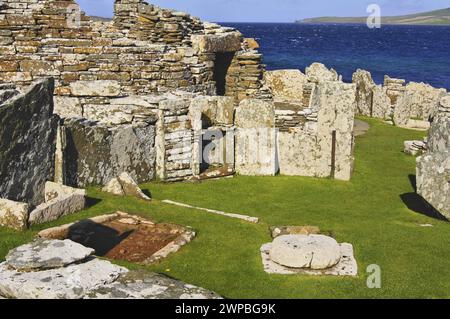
(47, 254)
(72, 282)
(143, 285)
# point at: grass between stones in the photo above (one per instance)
(371, 212)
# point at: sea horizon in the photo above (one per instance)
(399, 51)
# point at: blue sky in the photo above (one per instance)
(274, 10)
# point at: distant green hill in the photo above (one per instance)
(438, 17)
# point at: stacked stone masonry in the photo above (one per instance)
(144, 50)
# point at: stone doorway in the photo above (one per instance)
(217, 153)
(221, 66)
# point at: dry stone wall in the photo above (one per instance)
(145, 50)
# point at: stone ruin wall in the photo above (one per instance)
(142, 77)
(314, 116)
(144, 50)
(116, 74)
(410, 105)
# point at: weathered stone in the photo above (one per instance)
(433, 180)
(424, 100)
(347, 265)
(381, 107)
(54, 190)
(68, 106)
(414, 148)
(305, 251)
(402, 111)
(13, 214)
(371, 99)
(317, 72)
(96, 153)
(71, 282)
(255, 138)
(114, 187)
(124, 185)
(277, 231)
(143, 285)
(439, 134)
(95, 88)
(43, 254)
(251, 43)
(217, 43)
(286, 84)
(27, 143)
(297, 152)
(56, 208)
(323, 147)
(336, 104)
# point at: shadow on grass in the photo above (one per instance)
(147, 192)
(91, 201)
(99, 237)
(417, 204)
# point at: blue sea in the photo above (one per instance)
(415, 53)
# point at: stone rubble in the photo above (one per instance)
(60, 201)
(124, 185)
(415, 148)
(55, 275)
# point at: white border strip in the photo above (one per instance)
(217, 212)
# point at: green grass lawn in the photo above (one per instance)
(367, 212)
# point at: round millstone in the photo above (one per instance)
(44, 254)
(305, 251)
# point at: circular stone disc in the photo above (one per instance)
(305, 251)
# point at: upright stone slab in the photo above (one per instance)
(433, 180)
(27, 143)
(439, 133)
(286, 84)
(318, 72)
(297, 151)
(364, 91)
(433, 168)
(255, 152)
(95, 153)
(336, 104)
